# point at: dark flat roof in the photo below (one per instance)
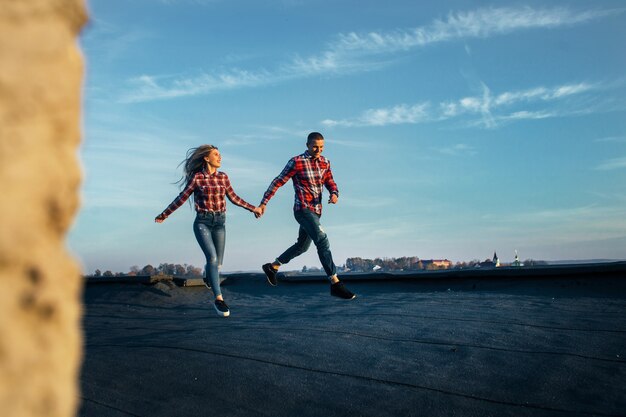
(551, 345)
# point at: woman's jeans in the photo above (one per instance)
(210, 231)
(310, 231)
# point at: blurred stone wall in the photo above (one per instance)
(41, 71)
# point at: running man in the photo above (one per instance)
(309, 172)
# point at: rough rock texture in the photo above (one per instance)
(41, 73)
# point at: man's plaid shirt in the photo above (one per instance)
(309, 175)
(208, 191)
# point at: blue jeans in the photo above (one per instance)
(210, 231)
(310, 231)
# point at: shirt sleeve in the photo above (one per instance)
(234, 198)
(282, 178)
(329, 181)
(182, 197)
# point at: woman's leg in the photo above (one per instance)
(218, 234)
(204, 236)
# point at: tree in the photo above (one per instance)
(166, 269)
(179, 270)
(107, 273)
(193, 271)
(98, 273)
(148, 270)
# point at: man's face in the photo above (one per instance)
(315, 147)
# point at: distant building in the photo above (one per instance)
(487, 263)
(436, 263)
(516, 262)
(496, 260)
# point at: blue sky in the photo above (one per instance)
(454, 128)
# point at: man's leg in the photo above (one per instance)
(297, 249)
(310, 222)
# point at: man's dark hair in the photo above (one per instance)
(314, 136)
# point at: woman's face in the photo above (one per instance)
(214, 159)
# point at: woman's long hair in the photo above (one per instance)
(194, 163)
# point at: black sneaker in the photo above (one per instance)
(339, 290)
(221, 308)
(270, 273)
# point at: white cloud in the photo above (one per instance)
(524, 114)
(373, 202)
(491, 110)
(198, 2)
(150, 88)
(458, 149)
(480, 23)
(354, 52)
(611, 164)
(617, 139)
(399, 114)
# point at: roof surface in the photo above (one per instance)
(514, 346)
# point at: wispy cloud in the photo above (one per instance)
(198, 2)
(611, 164)
(458, 149)
(147, 87)
(560, 225)
(616, 139)
(479, 23)
(374, 202)
(399, 114)
(491, 110)
(357, 52)
(105, 42)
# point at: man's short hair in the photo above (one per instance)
(314, 136)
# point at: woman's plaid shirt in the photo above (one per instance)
(309, 175)
(208, 194)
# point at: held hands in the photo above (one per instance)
(259, 211)
(333, 199)
(159, 219)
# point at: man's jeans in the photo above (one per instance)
(210, 232)
(310, 231)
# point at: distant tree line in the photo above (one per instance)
(405, 263)
(178, 270)
(413, 263)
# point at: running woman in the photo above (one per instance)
(209, 187)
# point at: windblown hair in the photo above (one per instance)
(194, 163)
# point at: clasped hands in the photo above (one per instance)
(259, 211)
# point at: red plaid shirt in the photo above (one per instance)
(208, 193)
(309, 175)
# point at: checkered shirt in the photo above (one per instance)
(208, 191)
(309, 175)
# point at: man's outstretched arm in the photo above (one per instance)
(282, 178)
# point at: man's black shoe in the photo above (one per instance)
(270, 273)
(339, 290)
(221, 308)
